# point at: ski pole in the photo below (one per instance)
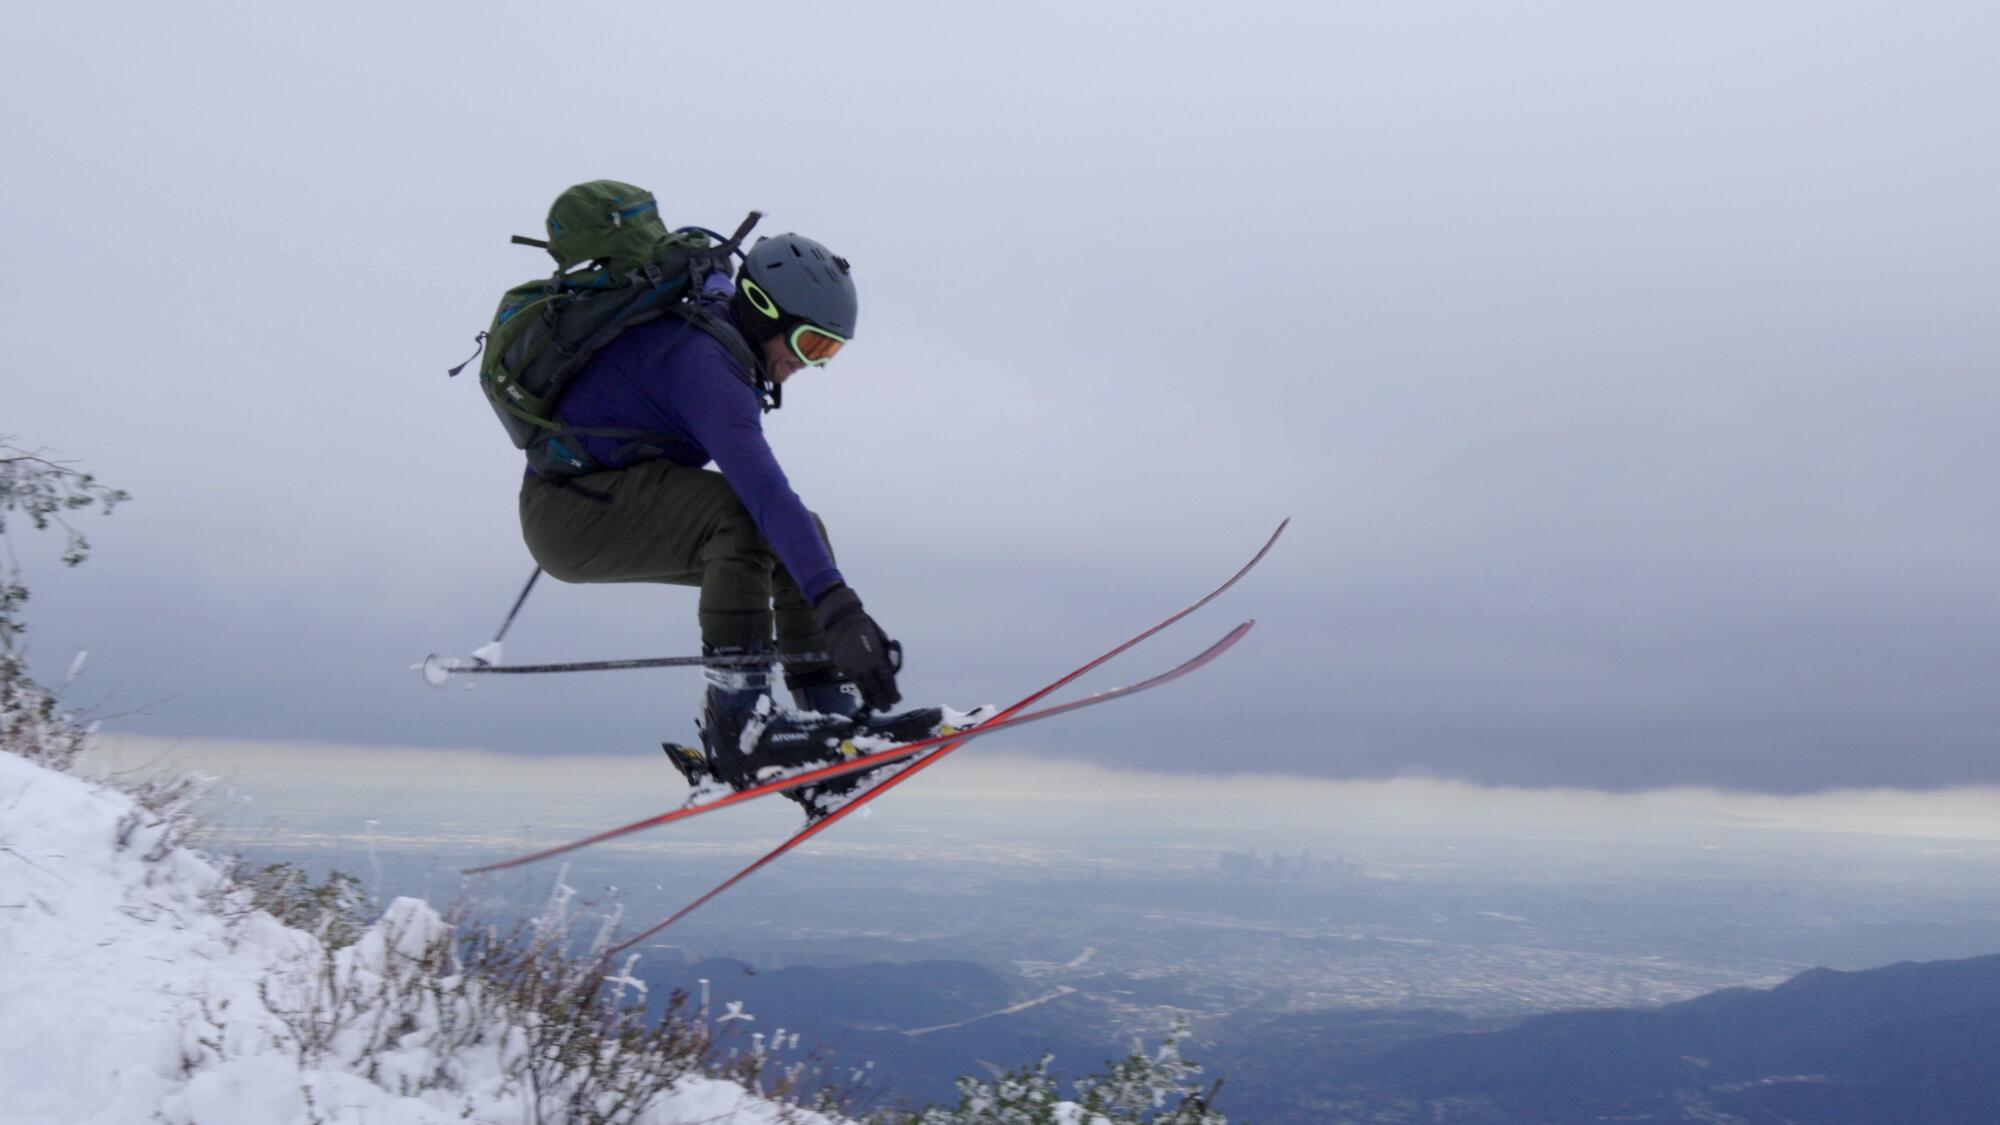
(437, 669)
(509, 623)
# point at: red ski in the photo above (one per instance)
(951, 742)
(890, 756)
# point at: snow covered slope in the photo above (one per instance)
(133, 990)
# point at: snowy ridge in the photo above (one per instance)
(137, 989)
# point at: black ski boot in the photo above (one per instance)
(744, 734)
(822, 692)
(747, 735)
(747, 738)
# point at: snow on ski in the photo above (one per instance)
(880, 758)
(916, 765)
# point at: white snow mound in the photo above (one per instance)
(129, 993)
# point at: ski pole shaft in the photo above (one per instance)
(437, 669)
(518, 603)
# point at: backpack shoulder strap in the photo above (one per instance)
(553, 459)
(749, 364)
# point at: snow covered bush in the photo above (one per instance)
(334, 910)
(1142, 1089)
(32, 721)
(45, 489)
(417, 1007)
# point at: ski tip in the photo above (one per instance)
(1230, 638)
(1276, 534)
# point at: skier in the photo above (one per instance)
(651, 512)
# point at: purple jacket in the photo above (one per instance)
(667, 376)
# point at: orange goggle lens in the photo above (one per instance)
(815, 345)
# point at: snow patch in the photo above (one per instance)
(148, 991)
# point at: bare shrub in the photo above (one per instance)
(1159, 1088)
(33, 723)
(164, 814)
(334, 910)
(416, 1004)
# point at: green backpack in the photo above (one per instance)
(617, 265)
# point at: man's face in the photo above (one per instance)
(779, 360)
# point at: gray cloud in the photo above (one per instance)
(1629, 375)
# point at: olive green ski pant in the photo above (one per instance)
(662, 522)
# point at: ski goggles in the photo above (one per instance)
(814, 345)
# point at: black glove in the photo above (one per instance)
(861, 650)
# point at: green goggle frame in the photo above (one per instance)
(813, 345)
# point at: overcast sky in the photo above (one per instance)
(1628, 371)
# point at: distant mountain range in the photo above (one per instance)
(1909, 1043)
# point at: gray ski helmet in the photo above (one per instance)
(789, 278)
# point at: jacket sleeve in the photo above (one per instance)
(721, 412)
